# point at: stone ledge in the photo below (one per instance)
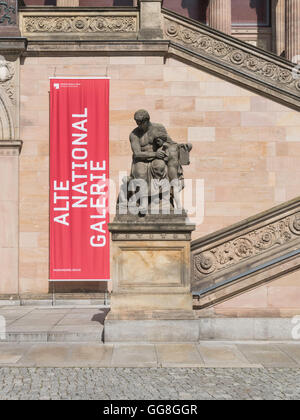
(108, 47)
(151, 331)
(13, 45)
(10, 147)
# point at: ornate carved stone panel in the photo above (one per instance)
(213, 260)
(7, 78)
(39, 24)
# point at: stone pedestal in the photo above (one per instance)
(151, 299)
(220, 15)
(293, 30)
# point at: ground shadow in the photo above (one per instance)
(100, 317)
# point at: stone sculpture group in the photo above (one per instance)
(156, 176)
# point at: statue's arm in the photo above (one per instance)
(136, 150)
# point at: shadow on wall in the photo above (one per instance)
(123, 3)
(256, 4)
(22, 3)
(263, 16)
(196, 10)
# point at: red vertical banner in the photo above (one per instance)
(79, 174)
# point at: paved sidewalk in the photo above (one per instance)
(148, 384)
(57, 353)
(53, 324)
(206, 354)
(71, 337)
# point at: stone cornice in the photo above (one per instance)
(12, 45)
(10, 147)
(98, 47)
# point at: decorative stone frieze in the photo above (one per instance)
(7, 82)
(247, 246)
(77, 24)
(247, 254)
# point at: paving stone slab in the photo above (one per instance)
(176, 355)
(60, 355)
(223, 355)
(266, 354)
(134, 356)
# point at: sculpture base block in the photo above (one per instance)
(151, 299)
(145, 302)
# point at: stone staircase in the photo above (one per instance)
(247, 254)
(232, 59)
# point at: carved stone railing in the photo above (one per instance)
(247, 254)
(79, 24)
(234, 59)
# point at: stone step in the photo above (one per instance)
(92, 336)
(61, 300)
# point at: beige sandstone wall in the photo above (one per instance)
(246, 148)
(279, 298)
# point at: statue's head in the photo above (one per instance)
(160, 136)
(142, 118)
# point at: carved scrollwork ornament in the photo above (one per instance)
(237, 57)
(220, 49)
(295, 224)
(243, 247)
(6, 70)
(264, 239)
(82, 24)
(269, 70)
(172, 29)
(297, 85)
(205, 263)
